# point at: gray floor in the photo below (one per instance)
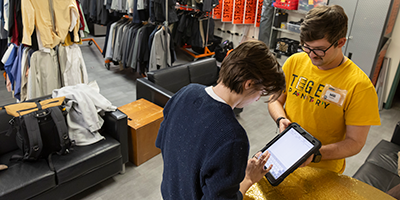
(143, 182)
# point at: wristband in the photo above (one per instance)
(317, 157)
(278, 120)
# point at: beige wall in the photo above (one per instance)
(393, 53)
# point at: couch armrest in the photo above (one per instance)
(116, 125)
(396, 134)
(152, 92)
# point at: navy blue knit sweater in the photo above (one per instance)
(205, 149)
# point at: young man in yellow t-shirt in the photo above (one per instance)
(326, 93)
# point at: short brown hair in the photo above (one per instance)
(328, 22)
(252, 60)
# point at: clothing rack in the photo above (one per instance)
(91, 41)
(108, 61)
(207, 52)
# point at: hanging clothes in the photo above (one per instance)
(3, 34)
(83, 29)
(6, 13)
(143, 56)
(267, 16)
(3, 31)
(191, 29)
(106, 46)
(15, 22)
(53, 22)
(157, 11)
(44, 74)
(10, 58)
(24, 74)
(72, 66)
(16, 73)
(3, 49)
(158, 59)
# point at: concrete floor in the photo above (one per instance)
(143, 182)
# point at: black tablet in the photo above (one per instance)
(289, 150)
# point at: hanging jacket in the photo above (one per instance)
(72, 66)
(38, 13)
(15, 22)
(44, 74)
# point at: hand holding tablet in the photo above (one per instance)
(288, 151)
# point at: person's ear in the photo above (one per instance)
(341, 42)
(248, 84)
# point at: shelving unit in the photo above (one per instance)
(285, 31)
(293, 15)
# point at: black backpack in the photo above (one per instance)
(222, 49)
(41, 129)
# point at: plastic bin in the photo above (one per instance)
(286, 46)
(306, 5)
(293, 27)
(287, 4)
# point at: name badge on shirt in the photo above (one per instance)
(334, 95)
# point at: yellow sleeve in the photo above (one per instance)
(363, 107)
(28, 20)
(287, 66)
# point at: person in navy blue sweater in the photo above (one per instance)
(204, 148)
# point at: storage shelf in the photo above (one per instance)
(285, 31)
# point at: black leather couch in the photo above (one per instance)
(380, 167)
(84, 167)
(160, 85)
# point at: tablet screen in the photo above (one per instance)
(286, 151)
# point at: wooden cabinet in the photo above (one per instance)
(144, 119)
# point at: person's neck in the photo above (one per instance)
(339, 60)
(230, 97)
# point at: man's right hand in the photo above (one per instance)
(283, 124)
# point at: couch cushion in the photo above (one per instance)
(376, 176)
(203, 71)
(385, 155)
(24, 179)
(172, 78)
(83, 159)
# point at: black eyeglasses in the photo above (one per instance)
(318, 52)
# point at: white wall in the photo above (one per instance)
(393, 53)
(238, 28)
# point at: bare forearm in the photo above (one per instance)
(275, 108)
(351, 145)
(245, 185)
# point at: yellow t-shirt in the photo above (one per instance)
(325, 120)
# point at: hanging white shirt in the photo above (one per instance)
(7, 53)
(72, 66)
(6, 6)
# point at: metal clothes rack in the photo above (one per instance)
(91, 41)
(207, 52)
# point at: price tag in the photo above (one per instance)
(310, 2)
(283, 1)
